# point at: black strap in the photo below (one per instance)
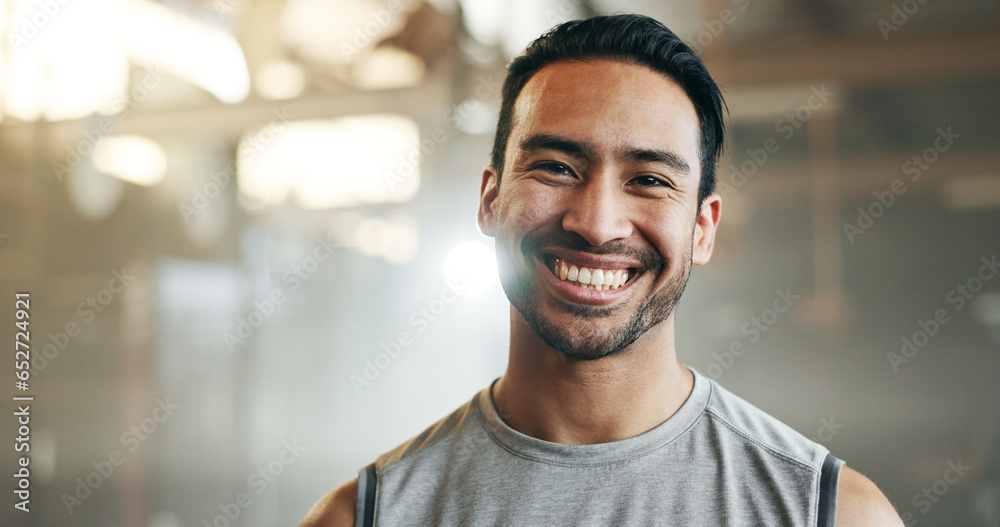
(364, 513)
(828, 478)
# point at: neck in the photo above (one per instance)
(546, 395)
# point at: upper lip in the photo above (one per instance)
(593, 261)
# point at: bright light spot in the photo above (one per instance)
(471, 265)
(192, 50)
(25, 89)
(337, 32)
(278, 79)
(483, 19)
(63, 63)
(101, 63)
(526, 19)
(131, 158)
(69, 61)
(515, 23)
(326, 164)
(388, 68)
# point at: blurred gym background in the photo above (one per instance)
(241, 222)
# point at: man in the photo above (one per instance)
(600, 198)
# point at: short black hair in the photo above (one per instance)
(633, 39)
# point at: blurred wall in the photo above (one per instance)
(239, 223)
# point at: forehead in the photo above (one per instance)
(609, 104)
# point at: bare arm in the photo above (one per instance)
(336, 509)
(861, 504)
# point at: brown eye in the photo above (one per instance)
(649, 181)
(555, 168)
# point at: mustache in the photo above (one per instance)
(534, 242)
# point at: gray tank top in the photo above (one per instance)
(717, 461)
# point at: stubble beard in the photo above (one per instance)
(584, 341)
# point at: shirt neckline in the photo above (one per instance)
(600, 453)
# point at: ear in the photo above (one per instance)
(704, 229)
(487, 201)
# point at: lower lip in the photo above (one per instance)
(597, 297)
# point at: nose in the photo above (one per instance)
(597, 212)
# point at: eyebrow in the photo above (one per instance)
(665, 157)
(537, 142)
(573, 148)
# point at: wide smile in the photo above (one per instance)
(588, 279)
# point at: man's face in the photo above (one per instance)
(596, 220)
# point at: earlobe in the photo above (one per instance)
(705, 228)
(487, 198)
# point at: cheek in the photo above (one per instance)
(669, 233)
(524, 208)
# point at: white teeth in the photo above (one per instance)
(587, 278)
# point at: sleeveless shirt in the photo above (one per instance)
(717, 461)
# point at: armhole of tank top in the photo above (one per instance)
(828, 479)
(364, 513)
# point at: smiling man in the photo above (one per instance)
(600, 195)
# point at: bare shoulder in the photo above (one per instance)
(861, 504)
(335, 509)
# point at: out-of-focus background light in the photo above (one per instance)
(326, 164)
(278, 79)
(131, 158)
(74, 61)
(472, 265)
(94, 194)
